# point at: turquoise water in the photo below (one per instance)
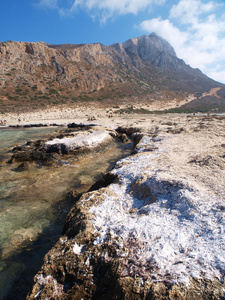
(34, 205)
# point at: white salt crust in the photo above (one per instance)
(83, 140)
(181, 233)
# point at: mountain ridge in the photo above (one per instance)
(35, 74)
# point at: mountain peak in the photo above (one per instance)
(153, 49)
(162, 44)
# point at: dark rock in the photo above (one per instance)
(73, 195)
(136, 137)
(124, 139)
(34, 155)
(37, 155)
(39, 143)
(19, 148)
(75, 222)
(104, 181)
(57, 148)
(30, 143)
(22, 167)
(20, 157)
(158, 291)
(76, 125)
(129, 131)
(61, 136)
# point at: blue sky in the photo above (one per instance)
(195, 28)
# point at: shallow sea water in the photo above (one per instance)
(34, 205)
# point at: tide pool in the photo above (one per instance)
(34, 205)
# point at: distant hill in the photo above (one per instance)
(144, 69)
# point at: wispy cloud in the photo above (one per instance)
(190, 11)
(48, 3)
(120, 7)
(201, 42)
(104, 9)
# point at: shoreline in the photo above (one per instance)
(172, 181)
(44, 192)
(181, 156)
(62, 116)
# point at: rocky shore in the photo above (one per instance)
(152, 228)
(79, 138)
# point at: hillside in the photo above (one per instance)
(141, 70)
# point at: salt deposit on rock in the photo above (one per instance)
(83, 140)
(177, 222)
(156, 229)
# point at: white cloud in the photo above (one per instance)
(189, 11)
(166, 30)
(217, 75)
(201, 42)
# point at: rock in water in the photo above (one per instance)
(79, 142)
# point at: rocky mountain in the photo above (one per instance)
(33, 75)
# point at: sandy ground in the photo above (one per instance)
(65, 115)
(88, 115)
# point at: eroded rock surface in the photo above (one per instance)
(81, 140)
(156, 231)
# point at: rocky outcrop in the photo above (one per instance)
(152, 228)
(78, 142)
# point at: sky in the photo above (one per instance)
(195, 28)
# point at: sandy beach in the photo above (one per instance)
(79, 114)
(63, 115)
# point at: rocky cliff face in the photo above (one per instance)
(39, 74)
(151, 49)
(39, 63)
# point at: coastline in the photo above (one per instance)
(162, 208)
(174, 183)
